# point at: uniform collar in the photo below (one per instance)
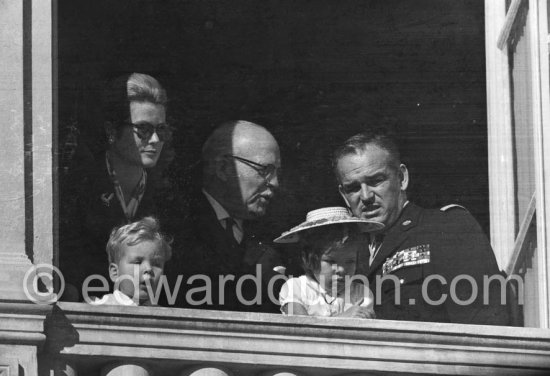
(406, 219)
(396, 234)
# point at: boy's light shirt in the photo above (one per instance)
(318, 302)
(116, 298)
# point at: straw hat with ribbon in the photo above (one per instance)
(327, 216)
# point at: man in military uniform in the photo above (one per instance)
(425, 265)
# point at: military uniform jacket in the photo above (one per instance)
(443, 251)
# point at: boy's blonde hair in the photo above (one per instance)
(147, 228)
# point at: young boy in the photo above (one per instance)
(137, 253)
(329, 240)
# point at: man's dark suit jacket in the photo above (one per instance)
(444, 243)
(202, 247)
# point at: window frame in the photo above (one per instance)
(498, 26)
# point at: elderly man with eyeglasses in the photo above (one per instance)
(241, 161)
(240, 176)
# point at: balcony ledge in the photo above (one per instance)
(79, 332)
(23, 323)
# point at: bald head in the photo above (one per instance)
(236, 157)
(235, 136)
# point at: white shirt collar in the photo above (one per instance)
(221, 213)
(116, 298)
(123, 299)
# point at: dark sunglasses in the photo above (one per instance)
(265, 171)
(145, 130)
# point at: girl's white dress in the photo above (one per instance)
(308, 293)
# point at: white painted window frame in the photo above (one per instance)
(499, 120)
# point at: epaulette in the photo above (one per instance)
(451, 206)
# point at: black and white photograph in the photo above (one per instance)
(274, 187)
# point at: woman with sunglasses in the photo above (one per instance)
(136, 136)
(118, 184)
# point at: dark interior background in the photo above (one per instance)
(314, 72)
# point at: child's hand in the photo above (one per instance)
(358, 312)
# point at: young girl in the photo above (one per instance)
(330, 242)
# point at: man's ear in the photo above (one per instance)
(110, 130)
(113, 271)
(222, 166)
(341, 190)
(403, 176)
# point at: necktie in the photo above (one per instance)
(374, 246)
(229, 222)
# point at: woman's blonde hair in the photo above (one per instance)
(142, 87)
(136, 87)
